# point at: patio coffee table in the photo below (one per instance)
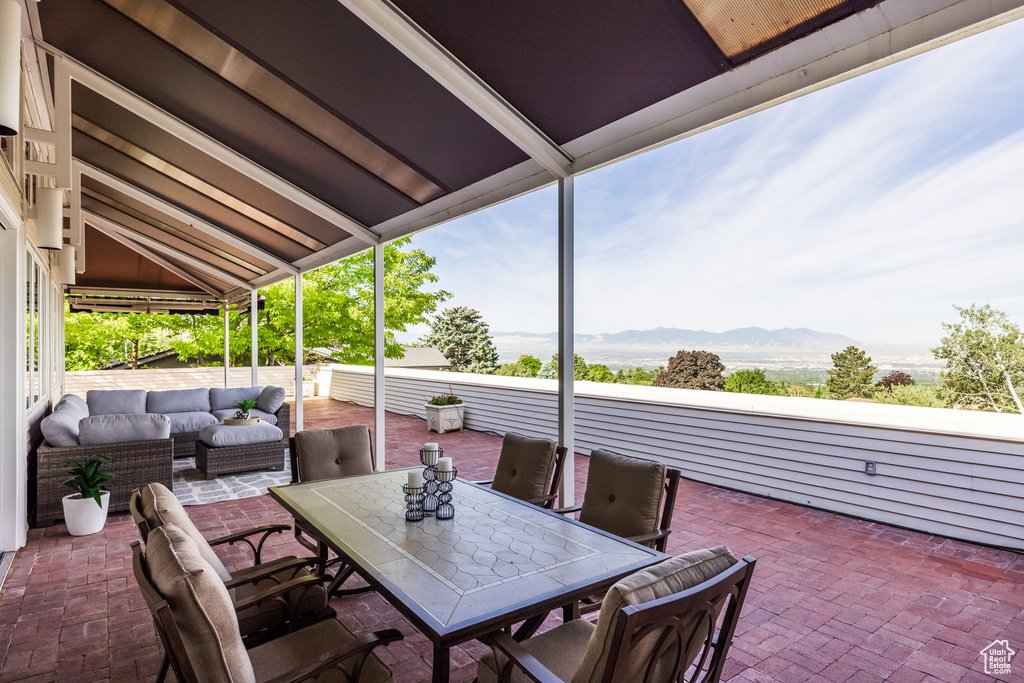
(499, 561)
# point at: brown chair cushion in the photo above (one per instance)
(561, 650)
(667, 578)
(624, 494)
(291, 651)
(524, 466)
(159, 506)
(333, 453)
(202, 609)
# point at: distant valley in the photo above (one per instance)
(789, 353)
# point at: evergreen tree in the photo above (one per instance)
(693, 370)
(462, 336)
(851, 373)
(548, 371)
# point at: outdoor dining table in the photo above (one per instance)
(497, 562)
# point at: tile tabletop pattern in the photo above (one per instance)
(493, 553)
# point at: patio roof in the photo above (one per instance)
(233, 144)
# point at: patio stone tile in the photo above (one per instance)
(834, 599)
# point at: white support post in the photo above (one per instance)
(13, 431)
(378, 356)
(298, 352)
(62, 123)
(227, 346)
(566, 350)
(254, 345)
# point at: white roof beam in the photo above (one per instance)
(171, 124)
(97, 220)
(180, 214)
(412, 41)
(160, 260)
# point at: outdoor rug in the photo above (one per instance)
(192, 488)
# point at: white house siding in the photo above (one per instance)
(950, 473)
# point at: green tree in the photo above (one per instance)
(462, 336)
(95, 340)
(531, 362)
(580, 371)
(753, 382)
(851, 373)
(637, 376)
(908, 395)
(984, 355)
(692, 370)
(548, 370)
(337, 312)
(600, 373)
(526, 366)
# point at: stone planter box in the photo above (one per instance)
(443, 419)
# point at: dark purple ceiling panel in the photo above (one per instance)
(114, 162)
(573, 66)
(108, 263)
(330, 54)
(121, 50)
(123, 124)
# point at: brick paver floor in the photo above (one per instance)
(833, 599)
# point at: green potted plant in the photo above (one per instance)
(444, 412)
(242, 414)
(85, 510)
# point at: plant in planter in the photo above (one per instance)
(444, 412)
(244, 407)
(85, 511)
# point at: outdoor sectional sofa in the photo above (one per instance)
(141, 431)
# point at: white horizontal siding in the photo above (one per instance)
(939, 471)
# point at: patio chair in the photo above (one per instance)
(154, 506)
(330, 454)
(671, 622)
(629, 497)
(529, 469)
(196, 622)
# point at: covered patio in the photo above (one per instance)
(177, 155)
(836, 599)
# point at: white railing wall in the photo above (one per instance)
(952, 473)
(79, 382)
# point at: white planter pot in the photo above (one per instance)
(443, 419)
(308, 388)
(83, 516)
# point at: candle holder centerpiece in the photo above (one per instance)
(430, 454)
(445, 476)
(413, 502)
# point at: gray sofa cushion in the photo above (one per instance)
(117, 428)
(77, 402)
(60, 427)
(190, 422)
(230, 412)
(116, 401)
(222, 399)
(271, 399)
(219, 436)
(178, 401)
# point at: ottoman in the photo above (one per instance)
(228, 448)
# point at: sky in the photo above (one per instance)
(867, 209)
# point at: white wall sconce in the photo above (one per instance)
(66, 266)
(10, 67)
(49, 218)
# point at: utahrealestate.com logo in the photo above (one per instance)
(997, 657)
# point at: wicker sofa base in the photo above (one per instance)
(245, 458)
(134, 464)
